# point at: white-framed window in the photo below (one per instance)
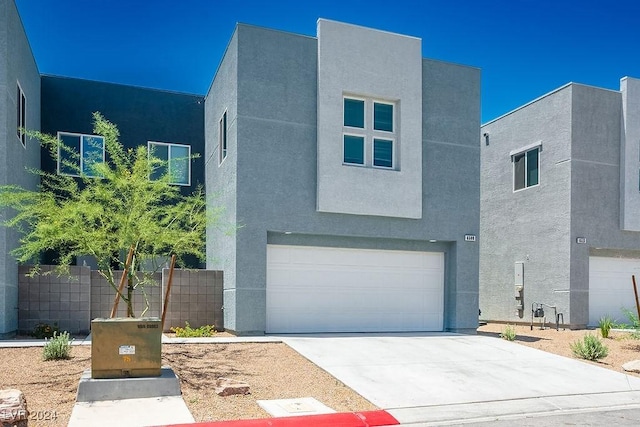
(369, 132)
(21, 115)
(175, 162)
(526, 168)
(79, 153)
(222, 138)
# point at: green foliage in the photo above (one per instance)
(590, 348)
(104, 217)
(605, 324)
(45, 330)
(189, 332)
(508, 333)
(57, 347)
(632, 317)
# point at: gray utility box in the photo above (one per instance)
(126, 347)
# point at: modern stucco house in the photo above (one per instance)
(351, 165)
(560, 204)
(337, 156)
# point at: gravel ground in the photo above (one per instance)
(273, 371)
(622, 347)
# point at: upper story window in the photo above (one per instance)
(368, 133)
(176, 162)
(78, 154)
(21, 114)
(526, 168)
(222, 136)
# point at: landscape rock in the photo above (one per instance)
(227, 387)
(13, 408)
(633, 366)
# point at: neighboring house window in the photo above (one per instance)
(526, 167)
(368, 138)
(21, 114)
(176, 162)
(79, 153)
(222, 136)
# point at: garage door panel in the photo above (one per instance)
(313, 289)
(610, 287)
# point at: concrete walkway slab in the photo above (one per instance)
(131, 412)
(413, 374)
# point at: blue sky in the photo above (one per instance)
(525, 48)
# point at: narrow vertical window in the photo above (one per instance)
(21, 114)
(526, 169)
(222, 143)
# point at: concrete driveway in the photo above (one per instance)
(439, 377)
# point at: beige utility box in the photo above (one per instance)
(126, 347)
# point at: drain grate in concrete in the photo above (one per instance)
(294, 407)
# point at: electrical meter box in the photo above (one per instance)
(126, 347)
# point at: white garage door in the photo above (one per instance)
(314, 289)
(610, 287)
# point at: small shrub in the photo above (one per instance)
(590, 348)
(508, 333)
(634, 323)
(189, 332)
(58, 347)
(605, 324)
(45, 330)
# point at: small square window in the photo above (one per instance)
(383, 153)
(354, 113)
(353, 150)
(383, 117)
(526, 169)
(78, 154)
(175, 161)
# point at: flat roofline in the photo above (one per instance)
(544, 96)
(55, 76)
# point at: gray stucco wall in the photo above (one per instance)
(356, 61)
(629, 157)
(595, 187)
(531, 225)
(16, 65)
(276, 167)
(221, 178)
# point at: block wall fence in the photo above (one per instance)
(72, 301)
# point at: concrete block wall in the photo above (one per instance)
(196, 297)
(103, 295)
(71, 301)
(54, 299)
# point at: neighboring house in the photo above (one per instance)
(560, 206)
(351, 165)
(172, 124)
(19, 107)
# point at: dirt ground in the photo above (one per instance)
(622, 347)
(273, 371)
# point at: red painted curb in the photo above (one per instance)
(343, 419)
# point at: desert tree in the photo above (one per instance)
(114, 202)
